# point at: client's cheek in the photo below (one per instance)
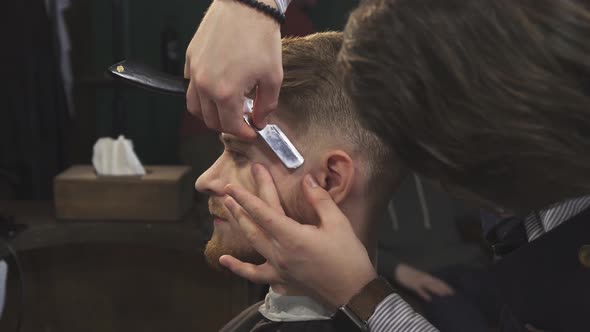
(246, 180)
(298, 209)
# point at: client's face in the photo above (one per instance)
(234, 166)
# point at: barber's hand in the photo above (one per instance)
(235, 50)
(327, 259)
(421, 283)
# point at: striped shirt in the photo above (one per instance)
(541, 222)
(395, 315)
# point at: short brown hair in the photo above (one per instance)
(492, 96)
(314, 103)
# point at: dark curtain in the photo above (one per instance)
(33, 112)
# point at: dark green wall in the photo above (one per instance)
(150, 120)
(332, 14)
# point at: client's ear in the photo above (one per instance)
(336, 174)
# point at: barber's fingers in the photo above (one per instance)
(444, 288)
(273, 222)
(230, 108)
(326, 209)
(220, 108)
(438, 287)
(259, 274)
(267, 96)
(423, 293)
(266, 187)
(252, 232)
(193, 102)
(209, 113)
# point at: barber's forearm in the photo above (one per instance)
(394, 315)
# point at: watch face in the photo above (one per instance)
(344, 320)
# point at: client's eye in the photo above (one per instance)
(237, 157)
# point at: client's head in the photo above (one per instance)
(349, 162)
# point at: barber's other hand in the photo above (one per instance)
(234, 50)
(327, 259)
(421, 283)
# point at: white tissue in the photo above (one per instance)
(3, 277)
(116, 157)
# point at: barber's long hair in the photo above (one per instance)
(490, 96)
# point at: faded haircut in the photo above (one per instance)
(314, 104)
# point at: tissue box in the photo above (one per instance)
(163, 193)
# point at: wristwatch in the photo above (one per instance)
(354, 315)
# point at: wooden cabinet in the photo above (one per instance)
(119, 277)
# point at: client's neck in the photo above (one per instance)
(362, 223)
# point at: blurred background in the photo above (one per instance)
(56, 54)
(148, 275)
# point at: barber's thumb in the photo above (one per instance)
(187, 69)
(321, 201)
(266, 102)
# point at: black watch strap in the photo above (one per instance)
(354, 316)
(345, 320)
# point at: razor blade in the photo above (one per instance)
(143, 76)
(274, 137)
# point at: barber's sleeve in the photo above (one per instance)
(282, 5)
(394, 315)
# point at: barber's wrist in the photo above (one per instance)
(355, 315)
(354, 286)
(268, 2)
(266, 8)
(271, 3)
